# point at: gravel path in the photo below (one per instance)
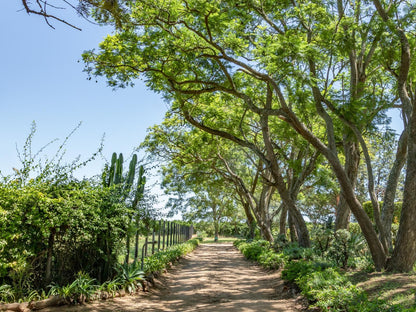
(215, 277)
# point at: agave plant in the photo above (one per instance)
(111, 287)
(80, 290)
(130, 276)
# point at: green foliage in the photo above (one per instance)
(6, 293)
(341, 247)
(238, 242)
(111, 286)
(161, 260)
(316, 281)
(53, 225)
(82, 289)
(253, 250)
(368, 207)
(261, 252)
(129, 276)
(201, 235)
(330, 290)
(271, 260)
(296, 269)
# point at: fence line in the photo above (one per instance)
(161, 235)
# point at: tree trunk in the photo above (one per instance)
(392, 182)
(266, 232)
(136, 247)
(352, 161)
(250, 220)
(292, 229)
(282, 221)
(404, 255)
(216, 221)
(281, 185)
(127, 249)
(48, 270)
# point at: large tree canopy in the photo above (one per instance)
(328, 70)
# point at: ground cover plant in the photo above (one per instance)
(328, 280)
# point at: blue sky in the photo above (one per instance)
(41, 80)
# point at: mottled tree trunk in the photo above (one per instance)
(292, 229)
(392, 182)
(251, 223)
(352, 161)
(404, 254)
(282, 221)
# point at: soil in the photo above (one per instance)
(215, 277)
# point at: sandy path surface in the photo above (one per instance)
(215, 277)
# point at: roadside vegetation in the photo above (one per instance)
(340, 277)
(78, 239)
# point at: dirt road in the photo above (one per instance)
(215, 277)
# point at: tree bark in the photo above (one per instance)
(48, 270)
(216, 222)
(392, 182)
(292, 229)
(126, 260)
(136, 246)
(352, 161)
(282, 187)
(282, 221)
(404, 255)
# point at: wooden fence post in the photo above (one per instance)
(158, 239)
(164, 234)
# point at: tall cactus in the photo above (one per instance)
(118, 176)
(138, 194)
(113, 175)
(108, 174)
(132, 172)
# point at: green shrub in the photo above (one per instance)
(159, 261)
(253, 250)
(271, 260)
(313, 283)
(294, 252)
(111, 286)
(201, 235)
(295, 269)
(339, 298)
(238, 242)
(330, 290)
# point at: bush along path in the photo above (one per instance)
(130, 279)
(215, 277)
(321, 282)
